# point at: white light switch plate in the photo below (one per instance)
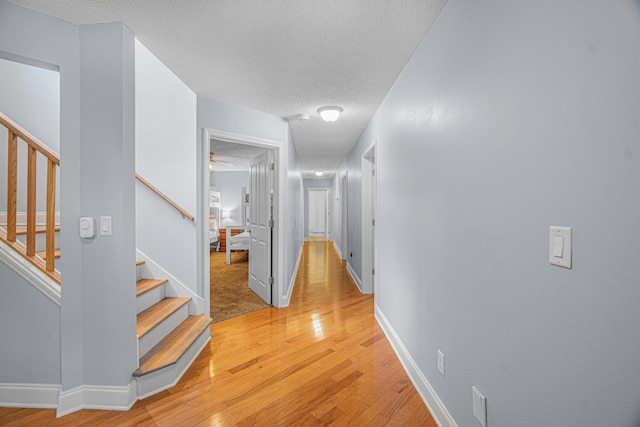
(560, 246)
(105, 226)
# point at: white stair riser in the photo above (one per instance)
(165, 378)
(140, 272)
(147, 299)
(41, 240)
(153, 337)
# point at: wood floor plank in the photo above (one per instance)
(323, 360)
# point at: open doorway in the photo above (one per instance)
(234, 198)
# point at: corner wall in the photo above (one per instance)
(511, 117)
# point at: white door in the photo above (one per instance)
(260, 225)
(317, 213)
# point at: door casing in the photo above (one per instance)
(202, 224)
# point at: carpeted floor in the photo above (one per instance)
(230, 293)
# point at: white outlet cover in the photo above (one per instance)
(441, 362)
(479, 406)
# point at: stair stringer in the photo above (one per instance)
(30, 273)
(174, 287)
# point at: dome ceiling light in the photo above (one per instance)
(330, 114)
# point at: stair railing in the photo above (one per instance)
(166, 198)
(34, 148)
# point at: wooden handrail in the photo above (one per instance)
(9, 236)
(34, 142)
(164, 197)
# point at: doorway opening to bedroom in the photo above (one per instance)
(240, 221)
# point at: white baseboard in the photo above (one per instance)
(287, 298)
(110, 398)
(437, 409)
(29, 395)
(30, 273)
(354, 276)
(337, 250)
(175, 287)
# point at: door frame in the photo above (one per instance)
(344, 187)
(277, 252)
(368, 162)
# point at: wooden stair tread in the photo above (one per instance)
(168, 351)
(145, 285)
(152, 316)
(43, 254)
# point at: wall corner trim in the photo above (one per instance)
(14, 395)
(437, 409)
(112, 398)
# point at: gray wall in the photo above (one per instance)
(43, 40)
(26, 312)
(513, 116)
(166, 156)
(97, 317)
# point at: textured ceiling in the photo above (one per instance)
(239, 155)
(284, 57)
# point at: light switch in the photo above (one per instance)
(560, 246)
(558, 243)
(105, 226)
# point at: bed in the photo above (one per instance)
(239, 242)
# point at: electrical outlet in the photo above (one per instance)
(479, 406)
(441, 362)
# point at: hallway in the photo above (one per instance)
(323, 360)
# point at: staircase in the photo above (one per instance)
(170, 337)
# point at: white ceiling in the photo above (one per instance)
(284, 57)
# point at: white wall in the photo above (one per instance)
(513, 116)
(30, 96)
(166, 147)
(229, 184)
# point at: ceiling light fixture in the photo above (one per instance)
(319, 173)
(329, 114)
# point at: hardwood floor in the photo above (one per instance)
(321, 361)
